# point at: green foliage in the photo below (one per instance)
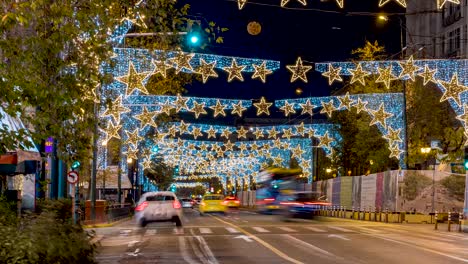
(414, 183)
(46, 237)
(160, 173)
(455, 185)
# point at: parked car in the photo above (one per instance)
(212, 203)
(231, 202)
(187, 203)
(158, 207)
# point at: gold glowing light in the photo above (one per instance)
(298, 71)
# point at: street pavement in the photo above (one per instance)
(248, 237)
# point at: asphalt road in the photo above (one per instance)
(247, 237)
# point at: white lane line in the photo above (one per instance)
(197, 251)
(208, 253)
(419, 247)
(309, 246)
(287, 229)
(178, 231)
(260, 229)
(204, 230)
(365, 229)
(184, 251)
(315, 229)
(151, 232)
(232, 230)
(340, 229)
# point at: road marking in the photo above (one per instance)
(246, 238)
(184, 251)
(287, 229)
(340, 229)
(232, 230)
(178, 231)
(261, 241)
(150, 232)
(204, 230)
(418, 247)
(369, 230)
(339, 236)
(260, 229)
(308, 245)
(315, 229)
(209, 254)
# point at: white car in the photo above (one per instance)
(158, 207)
(187, 203)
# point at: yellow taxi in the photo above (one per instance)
(231, 202)
(212, 203)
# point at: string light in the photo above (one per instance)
(263, 107)
(241, 3)
(112, 131)
(328, 108)
(360, 105)
(116, 110)
(160, 67)
(333, 74)
(242, 133)
(358, 74)
(235, 71)
(272, 133)
(441, 3)
(453, 90)
(182, 61)
(345, 102)
(308, 108)
(146, 118)
(408, 68)
(218, 109)
(400, 2)
(238, 109)
(299, 71)
(181, 103)
(385, 76)
(211, 132)
(285, 2)
(198, 109)
(207, 70)
(133, 80)
(428, 75)
(133, 138)
(288, 109)
(380, 116)
(340, 3)
(393, 136)
(261, 71)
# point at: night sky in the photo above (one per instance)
(315, 36)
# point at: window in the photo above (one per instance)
(454, 40)
(155, 198)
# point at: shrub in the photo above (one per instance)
(413, 184)
(455, 185)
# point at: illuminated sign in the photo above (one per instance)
(49, 145)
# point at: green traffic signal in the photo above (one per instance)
(76, 164)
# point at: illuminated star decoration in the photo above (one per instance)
(160, 67)
(297, 152)
(272, 133)
(393, 136)
(298, 71)
(181, 103)
(112, 131)
(395, 151)
(358, 74)
(258, 133)
(261, 71)
(131, 153)
(401, 2)
(285, 2)
(133, 138)
(307, 108)
(328, 108)
(345, 101)
(380, 116)
(226, 133)
(218, 109)
(361, 105)
(441, 3)
(385, 76)
(242, 133)
(211, 132)
(263, 107)
(428, 75)
(235, 71)
(241, 3)
(198, 109)
(238, 109)
(196, 132)
(453, 90)
(146, 118)
(133, 80)
(325, 140)
(116, 109)
(207, 70)
(333, 74)
(228, 146)
(146, 164)
(166, 108)
(182, 60)
(300, 130)
(183, 128)
(287, 133)
(340, 3)
(408, 68)
(288, 108)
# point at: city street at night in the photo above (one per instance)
(248, 237)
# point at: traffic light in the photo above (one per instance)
(176, 170)
(75, 165)
(173, 188)
(194, 36)
(466, 158)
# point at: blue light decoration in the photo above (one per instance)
(393, 102)
(445, 70)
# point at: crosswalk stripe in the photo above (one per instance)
(150, 232)
(369, 230)
(232, 230)
(340, 229)
(205, 230)
(178, 231)
(260, 229)
(315, 229)
(287, 229)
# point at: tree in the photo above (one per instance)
(160, 173)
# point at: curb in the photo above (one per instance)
(107, 224)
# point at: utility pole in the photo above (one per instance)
(94, 167)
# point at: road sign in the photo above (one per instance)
(72, 177)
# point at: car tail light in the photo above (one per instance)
(176, 204)
(269, 199)
(237, 201)
(202, 203)
(224, 202)
(141, 206)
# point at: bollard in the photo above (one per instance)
(375, 214)
(352, 212)
(435, 217)
(449, 221)
(386, 215)
(359, 213)
(344, 211)
(460, 220)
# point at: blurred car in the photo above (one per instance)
(187, 203)
(212, 203)
(158, 207)
(231, 202)
(302, 204)
(197, 201)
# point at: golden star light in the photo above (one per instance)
(241, 3)
(261, 71)
(207, 70)
(395, 151)
(183, 127)
(133, 80)
(380, 116)
(453, 90)
(254, 147)
(146, 118)
(277, 143)
(235, 71)
(218, 109)
(226, 133)
(263, 107)
(288, 108)
(333, 74)
(272, 133)
(385, 76)
(116, 109)
(285, 2)
(243, 146)
(196, 132)
(358, 74)
(160, 67)
(198, 109)
(300, 130)
(325, 140)
(277, 160)
(131, 153)
(211, 132)
(203, 147)
(393, 136)
(441, 3)
(133, 138)
(428, 75)
(400, 2)
(228, 146)
(182, 60)
(299, 71)
(287, 133)
(408, 68)
(307, 108)
(311, 132)
(328, 108)
(345, 101)
(172, 131)
(147, 164)
(181, 103)
(360, 105)
(258, 133)
(112, 131)
(166, 108)
(238, 109)
(297, 152)
(340, 3)
(242, 133)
